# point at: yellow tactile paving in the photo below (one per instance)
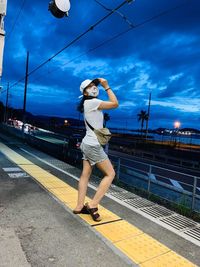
(63, 190)
(107, 216)
(40, 174)
(54, 184)
(139, 247)
(117, 231)
(13, 156)
(72, 204)
(45, 179)
(170, 259)
(18, 159)
(68, 198)
(34, 171)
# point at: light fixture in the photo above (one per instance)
(177, 124)
(59, 8)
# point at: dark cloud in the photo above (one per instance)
(162, 56)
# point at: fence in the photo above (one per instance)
(173, 186)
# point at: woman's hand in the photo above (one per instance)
(104, 82)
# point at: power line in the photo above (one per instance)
(77, 38)
(118, 35)
(165, 12)
(17, 17)
(119, 13)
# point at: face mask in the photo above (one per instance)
(93, 91)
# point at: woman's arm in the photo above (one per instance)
(113, 102)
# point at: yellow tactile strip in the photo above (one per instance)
(138, 246)
(169, 259)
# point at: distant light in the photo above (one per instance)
(65, 122)
(177, 124)
(59, 8)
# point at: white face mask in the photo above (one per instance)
(93, 91)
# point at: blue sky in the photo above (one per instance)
(161, 56)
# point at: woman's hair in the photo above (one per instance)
(80, 106)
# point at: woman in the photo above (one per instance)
(93, 153)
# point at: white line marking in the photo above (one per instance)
(12, 169)
(176, 184)
(18, 175)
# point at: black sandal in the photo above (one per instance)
(94, 213)
(84, 210)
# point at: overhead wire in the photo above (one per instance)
(77, 38)
(117, 36)
(16, 19)
(165, 12)
(118, 12)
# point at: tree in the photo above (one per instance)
(142, 116)
(106, 118)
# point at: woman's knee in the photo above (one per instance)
(85, 175)
(111, 174)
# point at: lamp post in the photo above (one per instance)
(25, 93)
(5, 116)
(177, 125)
(6, 109)
(148, 115)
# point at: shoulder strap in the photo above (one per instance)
(92, 128)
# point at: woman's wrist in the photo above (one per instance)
(108, 88)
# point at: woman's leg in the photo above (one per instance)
(107, 168)
(83, 183)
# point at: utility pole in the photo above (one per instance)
(25, 92)
(6, 109)
(148, 114)
(3, 7)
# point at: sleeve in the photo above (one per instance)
(92, 105)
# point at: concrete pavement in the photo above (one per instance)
(46, 233)
(36, 230)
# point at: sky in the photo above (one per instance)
(159, 53)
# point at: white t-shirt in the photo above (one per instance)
(95, 119)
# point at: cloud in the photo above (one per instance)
(161, 56)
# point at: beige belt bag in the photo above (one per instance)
(103, 134)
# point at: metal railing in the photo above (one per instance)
(173, 186)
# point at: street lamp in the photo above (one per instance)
(59, 8)
(177, 125)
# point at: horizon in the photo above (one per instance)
(161, 57)
(114, 127)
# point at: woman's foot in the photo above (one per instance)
(82, 210)
(93, 211)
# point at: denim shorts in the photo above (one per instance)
(94, 154)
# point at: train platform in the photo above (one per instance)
(38, 228)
